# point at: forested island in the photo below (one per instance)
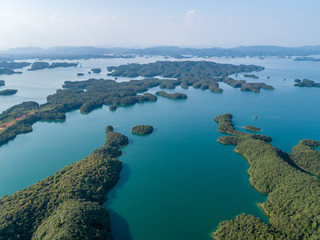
(2, 83)
(8, 92)
(306, 83)
(96, 70)
(68, 204)
(251, 76)
(5, 71)
(44, 65)
(252, 128)
(175, 95)
(113, 107)
(293, 195)
(142, 129)
(13, 65)
(201, 74)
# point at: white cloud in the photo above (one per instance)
(190, 15)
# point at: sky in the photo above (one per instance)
(145, 23)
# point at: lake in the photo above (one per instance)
(178, 182)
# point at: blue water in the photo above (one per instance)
(178, 182)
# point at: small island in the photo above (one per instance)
(252, 128)
(175, 95)
(96, 70)
(251, 76)
(142, 129)
(80, 74)
(4, 71)
(113, 107)
(2, 83)
(8, 92)
(306, 83)
(44, 65)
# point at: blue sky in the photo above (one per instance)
(140, 23)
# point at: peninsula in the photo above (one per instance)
(68, 204)
(293, 195)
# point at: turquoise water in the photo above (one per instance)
(179, 182)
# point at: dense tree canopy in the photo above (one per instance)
(293, 195)
(66, 205)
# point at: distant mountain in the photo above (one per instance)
(177, 52)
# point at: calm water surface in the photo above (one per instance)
(179, 182)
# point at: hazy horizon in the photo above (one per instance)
(141, 23)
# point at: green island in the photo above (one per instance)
(8, 92)
(68, 204)
(293, 195)
(4, 71)
(142, 129)
(96, 70)
(252, 128)
(2, 83)
(251, 76)
(199, 74)
(175, 95)
(244, 86)
(44, 65)
(306, 83)
(80, 74)
(306, 157)
(113, 107)
(13, 65)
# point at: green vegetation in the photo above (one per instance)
(7, 92)
(307, 158)
(175, 95)
(246, 227)
(244, 86)
(43, 65)
(252, 128)
(182, 69)
(293, 195)
(199, 74)
(251, 76)
(306, 83)
(2, 83)
(94, 93)
(142, 129)
(13, 65)
(8, 71)
(96, 70)
(19, 118)
(67, 205)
